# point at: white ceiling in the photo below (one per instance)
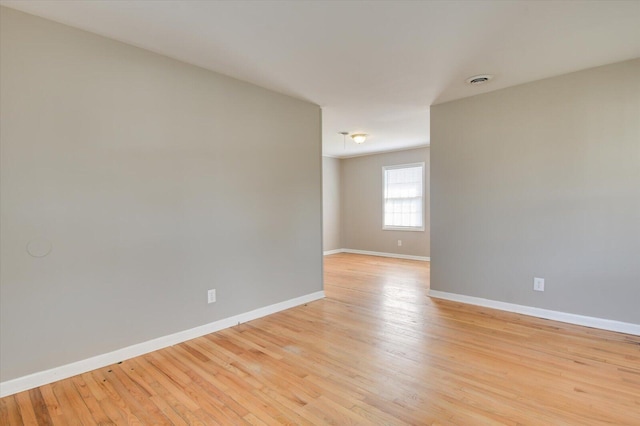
(373, 66)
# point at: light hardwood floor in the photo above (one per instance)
(377, 350)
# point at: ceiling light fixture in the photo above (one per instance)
(359, 137)
(479, 79)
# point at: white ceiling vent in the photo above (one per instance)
(479, 79)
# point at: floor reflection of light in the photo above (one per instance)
(402, 321)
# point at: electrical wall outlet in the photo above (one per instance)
(538, 284)
(399, 243)
(211, 296)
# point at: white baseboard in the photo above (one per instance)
(336, 251)
(378, 253)
(394, 255)
(40, 378)
(604, 324)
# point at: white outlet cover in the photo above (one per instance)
(538, 284)
(211, 296)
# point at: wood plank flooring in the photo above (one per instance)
(377, 350)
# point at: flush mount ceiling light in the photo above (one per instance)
(359, 137)
(479, 79)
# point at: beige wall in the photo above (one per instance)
(153, 181)
(331, 203)
(543, 180)
(361, 205)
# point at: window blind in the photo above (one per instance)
(403, 196)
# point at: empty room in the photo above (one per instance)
(319, 212)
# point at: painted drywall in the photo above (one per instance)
(331, 204)
(542, 180)
(153, 181)
(361, 205)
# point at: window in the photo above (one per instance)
(403, 197)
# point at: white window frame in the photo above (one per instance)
(384, 184)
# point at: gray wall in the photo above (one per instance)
(542, 179)
(331, 203)
(361, 204)
(154, 181)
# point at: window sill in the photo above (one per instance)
(403, 228)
